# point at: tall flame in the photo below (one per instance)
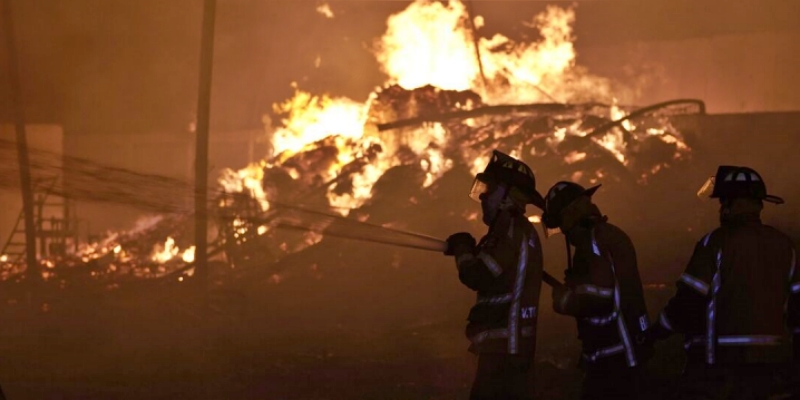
(427, 44)
(431, 43)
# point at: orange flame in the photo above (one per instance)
(165, 252)
(429, 44)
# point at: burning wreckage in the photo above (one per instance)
(344, 168)
(418, 149)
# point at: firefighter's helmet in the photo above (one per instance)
(558, 198)
(732, 182)
(505, 169)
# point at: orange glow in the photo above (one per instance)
(165, 252)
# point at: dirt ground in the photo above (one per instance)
(150, 343)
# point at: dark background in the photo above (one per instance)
(121, 65)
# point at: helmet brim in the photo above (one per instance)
(773, 199)
(708, 191)
(537, 200)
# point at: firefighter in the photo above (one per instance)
(733, 300)
(602, 290)
(505, 269)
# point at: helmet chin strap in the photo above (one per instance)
(569, 252)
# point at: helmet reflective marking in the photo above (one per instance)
(741, 177)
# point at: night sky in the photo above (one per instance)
(131, 66)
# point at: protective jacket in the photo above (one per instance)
(605, 294)
(506, 271)
(737, 295)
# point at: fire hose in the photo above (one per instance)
(423, 242)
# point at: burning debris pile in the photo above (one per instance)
(156, 247)
(338, 155)
(440, 114)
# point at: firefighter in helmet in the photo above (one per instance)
(602, 290)
(505, 269)
(735, 297)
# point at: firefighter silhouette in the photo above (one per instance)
(505, 269)
(736, 298)
(602, 290)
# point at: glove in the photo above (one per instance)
(645, 346)
(560, 294)
(655, 333)
(462, 241)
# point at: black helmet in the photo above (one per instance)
(561, 195)
(503, 168)
(732, 182)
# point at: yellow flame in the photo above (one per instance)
(3, 258)
(312, 238)
(616, 114)
(574, 156)
(325, 9)
(165, 252)
(312, 118)
(479, 163)
(613, 140)
(188, 255)
(246, 179)
(429, 43)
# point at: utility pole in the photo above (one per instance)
(201, 147)
(475, 43)
(22, 143)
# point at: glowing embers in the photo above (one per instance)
(574, 156)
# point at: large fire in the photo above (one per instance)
(446, 88)
(431, 43)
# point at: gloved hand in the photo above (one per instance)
(655, 333)
(462, 241)
(560, 296)
(645, 345)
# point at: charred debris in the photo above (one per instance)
(616, 144)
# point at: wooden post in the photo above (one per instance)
(475, 43)
(201, 147)
(22, 143)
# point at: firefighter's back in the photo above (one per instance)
(756, 267)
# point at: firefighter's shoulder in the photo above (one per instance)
(710, 239)
(777, 234)
(606, 232)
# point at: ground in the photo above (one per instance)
(145, 344)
